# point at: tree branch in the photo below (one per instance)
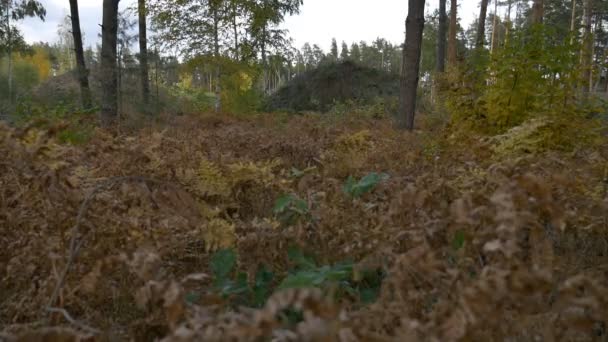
(74, 322)
(75, 242)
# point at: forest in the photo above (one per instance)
(190, 174)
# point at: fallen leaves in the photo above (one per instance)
(470, 247)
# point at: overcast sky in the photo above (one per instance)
(318, 22)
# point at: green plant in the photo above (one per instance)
(356, 189)
(75, 136)
(236, 286)
(288, 208)
(536, 73)
(343, 277)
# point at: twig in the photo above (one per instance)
(75, 243)
(74, 322)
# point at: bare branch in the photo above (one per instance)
(75, 242)
(74, 322)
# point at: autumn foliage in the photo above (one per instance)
(218, 228)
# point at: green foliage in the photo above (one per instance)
(376, 108)
(544, 133)
(223, 263)
(25, 78)
(77, 125)
(458, 240)
(16, 11)
(261, 288)
(236, 286)
(318, 277)
(192, 100)
(356, 189)
(288, 208)
(300, 260)
(78, 135)
(343, 277)
(534, 74)
(239, 94)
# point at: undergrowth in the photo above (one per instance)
(238, 229)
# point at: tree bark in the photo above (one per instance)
(216, 52)
(481, 24)
(264, 63)
(9, 56)
(452, 48)
(538, 10)
(494, 24)
(441, 41)
(83, 73)
(587, 53)
(508, 26)
(235, 29)
(143, 54)
(414, 26)
(573, 21)
(109, 31)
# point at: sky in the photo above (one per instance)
(318, 22)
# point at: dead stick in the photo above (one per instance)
(75, 244)
(74, 322)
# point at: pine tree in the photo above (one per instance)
(143, 53)
(414, 27)
(83, 74)
(344, 52)
(355, 52)
(538, 10)
(333, 52)
(452, 49)
(481, 24)
(109, 78)
(10, 37)
(441, 39)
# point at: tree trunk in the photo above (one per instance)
(587, 53)
(264, 64)
(452, 48)
(83, 73)
(414, 26)
(216, 51)
(508, 26)
(156, 70)
(109, 30)
(235, 28)
(481, 24)
(538, 10)
(9, 50)
(573, 22)
(494, 24)
(119, 80)
(143, 53)
(441, 41)
(592, 63)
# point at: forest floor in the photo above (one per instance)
(301, 228)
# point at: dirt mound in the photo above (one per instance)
(319, 89)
